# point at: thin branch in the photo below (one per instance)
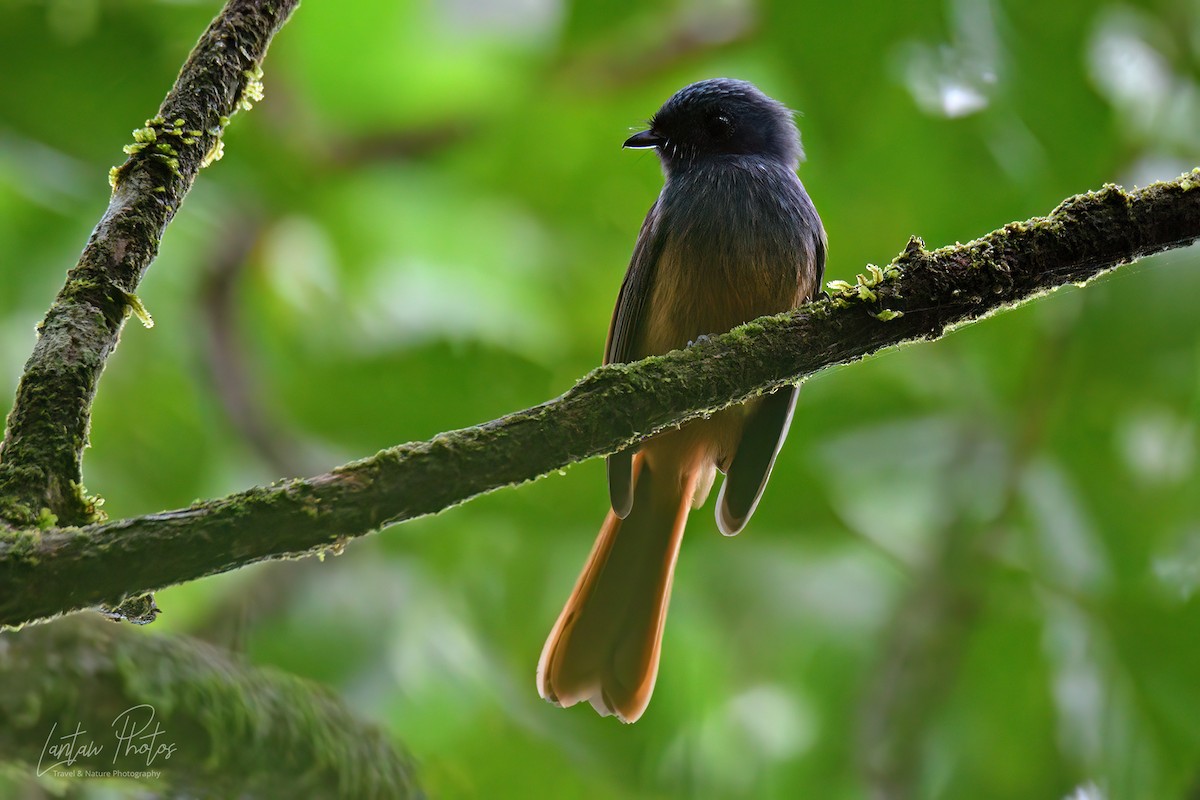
(224, 729)
(41, 455)
(919, 296)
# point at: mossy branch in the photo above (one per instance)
(40, 457)
(225, 729)
(919, 296)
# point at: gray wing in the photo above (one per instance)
(747, 476)
(623, 335)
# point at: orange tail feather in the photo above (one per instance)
(605, 646)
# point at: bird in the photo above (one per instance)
(732, 236)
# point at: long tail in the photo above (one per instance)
(605, 646)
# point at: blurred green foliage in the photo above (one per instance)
(975, 571)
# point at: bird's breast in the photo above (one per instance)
(734, 250)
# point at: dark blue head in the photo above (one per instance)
(721, 117)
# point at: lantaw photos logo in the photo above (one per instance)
(137, 739)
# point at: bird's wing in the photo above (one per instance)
(747, 476)
(623, 332)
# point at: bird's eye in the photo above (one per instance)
(720, 126)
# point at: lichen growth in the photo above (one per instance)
(214, 153)
(336, 549)
(863, 290)
(139, 609)
(155, 135)
(92, 504)
(135, 306)
(253, 92)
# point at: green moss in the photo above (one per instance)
(171, 162)
(79, 286)
(23, 545)
(820, 309)
(46, 519)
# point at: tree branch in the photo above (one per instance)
(920, 296)
(226, 729)
(41, 455)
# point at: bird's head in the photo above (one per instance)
(720, 117)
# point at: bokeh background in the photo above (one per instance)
(974, 573)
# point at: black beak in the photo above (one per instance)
(640, 141)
